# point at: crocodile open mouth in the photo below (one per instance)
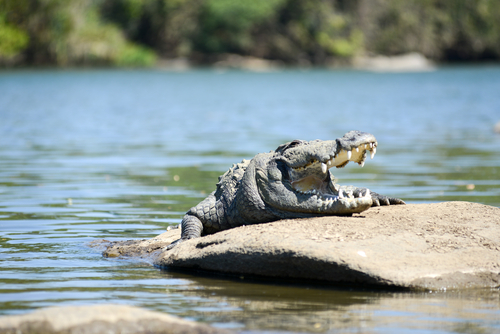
(313, 177)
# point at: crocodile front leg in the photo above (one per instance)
(191, 228)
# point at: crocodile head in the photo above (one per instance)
(297, 177)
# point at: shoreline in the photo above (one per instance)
(407, 63)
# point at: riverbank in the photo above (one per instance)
(124, 33)
(411, 62)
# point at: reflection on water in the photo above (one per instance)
(123, 154)
(321, 309)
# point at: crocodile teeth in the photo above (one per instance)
(349, 154)
(367, 195)
(330, 202)
(341, 194)
(362, 163)
(324, 168)
(357, 149)
(372, 153)
(371, 145)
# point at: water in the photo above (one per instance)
(119, 155)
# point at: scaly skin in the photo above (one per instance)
(292, 182)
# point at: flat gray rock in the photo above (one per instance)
(450, 245)
(101, 319)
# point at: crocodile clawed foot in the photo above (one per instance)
(173, 244)
(379, 200)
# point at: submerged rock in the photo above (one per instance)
(107, 318)
(446, 245)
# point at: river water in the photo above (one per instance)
(120, 155)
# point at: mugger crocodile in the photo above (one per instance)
(292, 182)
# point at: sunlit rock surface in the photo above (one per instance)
(450, 245)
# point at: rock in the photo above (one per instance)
(248, 63)
(497, 127)
(100, 319)
(410, 62)
(175, 64)
(450, 245)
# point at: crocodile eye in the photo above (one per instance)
(284, 147)
(294, 143)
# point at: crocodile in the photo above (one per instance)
(294, 181)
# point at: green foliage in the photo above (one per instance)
(133, 32)
(453, 30)
(12, 39)
(125, 13)
(336, 36)
(240, 15)
(342, 47)
(226, 25)
(166, 26)
(132, 55)
(476, 27)
(399, 28)
(93, 42)
(68, 33)
(314, 31)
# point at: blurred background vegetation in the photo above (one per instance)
(295, 32)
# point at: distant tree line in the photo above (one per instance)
(316, 32)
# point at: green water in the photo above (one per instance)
(119, 155)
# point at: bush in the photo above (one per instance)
(132, 55)
(227, 25)
(13, 40)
